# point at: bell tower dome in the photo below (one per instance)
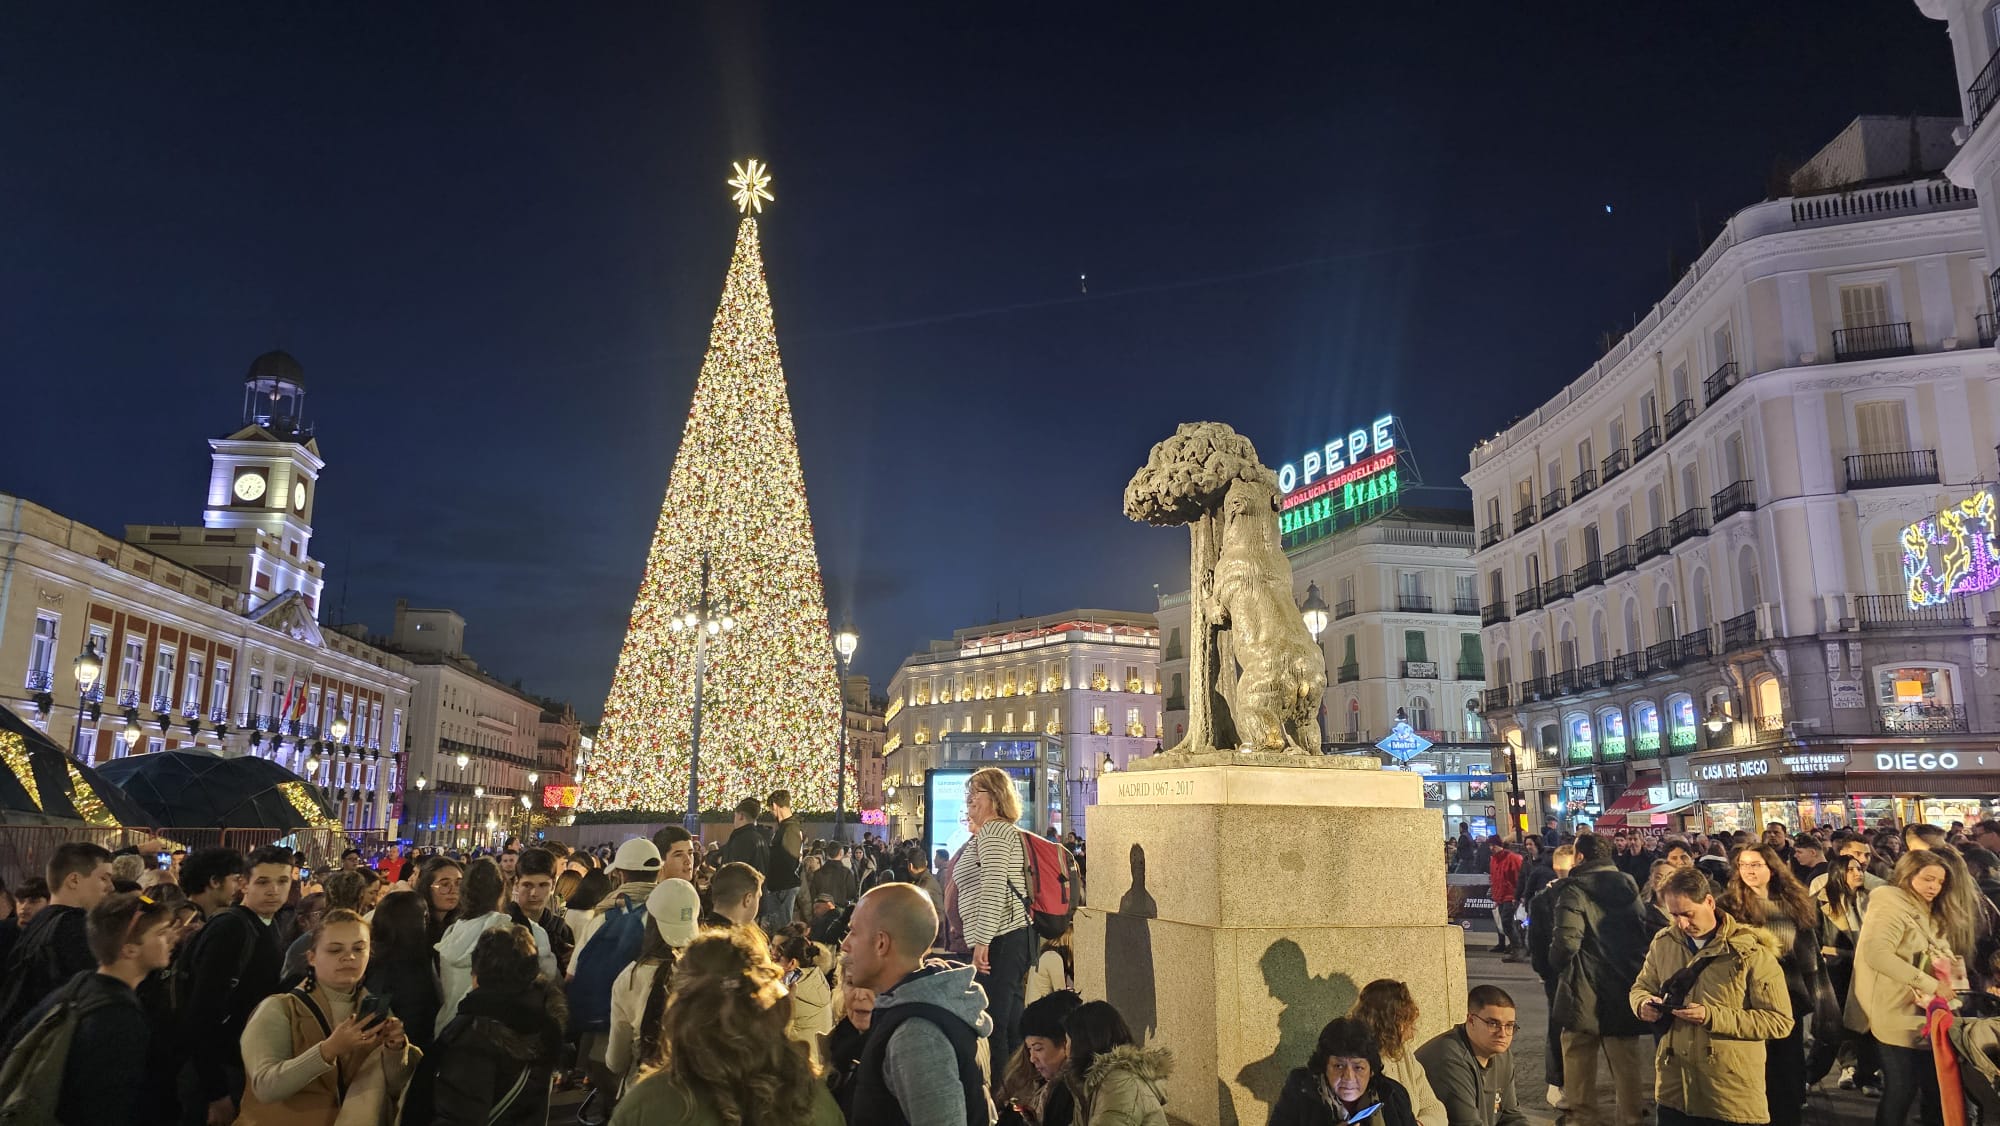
(274, 397)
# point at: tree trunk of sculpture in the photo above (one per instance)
(1209, 725)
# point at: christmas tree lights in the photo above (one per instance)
(770, 699)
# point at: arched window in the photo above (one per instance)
(1420, 713)
(1700, 618)
(1611, 735)
(1747, 584)
(1566, 648)
(1597, 652)
(1475, 724)
(1634, 641)
(1645, 729)
(1767, 703)
(1680, 723)
(1579, 744)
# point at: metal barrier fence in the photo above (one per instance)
(25, 849)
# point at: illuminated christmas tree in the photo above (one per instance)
(734, 530)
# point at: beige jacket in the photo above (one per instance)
(1716, 1069)
(1424, 1103)
(1892, 977)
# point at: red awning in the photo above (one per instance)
(1620, 814)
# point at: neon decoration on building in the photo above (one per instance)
(1350, 480)
(1952, 554)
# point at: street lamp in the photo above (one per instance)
(132, 732)
(422, 782)
(463, 758)
(709, 617)
(338, 728)
(1314, 612)
(844, 643)
(312, 765)
(479, 791)
(88, 666)
(532, 779)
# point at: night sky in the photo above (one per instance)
(495, 235)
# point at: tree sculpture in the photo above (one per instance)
(1255, 674)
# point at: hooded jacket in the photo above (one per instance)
(492, 1063)
(455, 960)
(1716, 1069)
(1892, 967)
(1126, 1086)
(907, 1063)
(1600, 942)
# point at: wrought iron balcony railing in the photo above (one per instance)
(1619, 560)
(1647, 441)
(1467, 604)
(1735, 497)
(1921, 719)
(1883, 471)
(1589, 575)
(1414, 603)
(1582, 484)
(1490, 535)
(1686, 526)
(1614, 463)
(1651, 544)
(1530, 599)
(1893, 611)
(1873, 342)
(1739, 632)
(1552, 501)
(1524, 518)
(1493, 613)
(1553, 589)
(1718, 383)
(1679, 415)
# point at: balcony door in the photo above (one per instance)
(1649, 411)
(1882, 427)
(1590, 549)
(1862, 306)
(1561, 558)
(1733, 460)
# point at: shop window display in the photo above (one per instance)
(1917, 697)
(1729, 816)
(1680, 723)
(1612, 723)
(1576, 742)
(1645, 728)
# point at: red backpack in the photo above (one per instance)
(1055, 890)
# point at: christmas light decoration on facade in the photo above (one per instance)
(770, 700)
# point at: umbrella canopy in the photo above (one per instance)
(199, 790)
(40, 784)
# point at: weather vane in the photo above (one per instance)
(752, 184)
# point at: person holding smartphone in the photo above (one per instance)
(327, 1050)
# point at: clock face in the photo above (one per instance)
(249, 486)
(299, 496)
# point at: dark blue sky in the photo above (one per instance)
(495, 235)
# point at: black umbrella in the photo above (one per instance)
(199, 790)
(40, 784)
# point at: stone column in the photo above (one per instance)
(1233, 909)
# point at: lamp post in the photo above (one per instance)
(707, 618)
(1313, 613)
(844, 643)
(88, 666)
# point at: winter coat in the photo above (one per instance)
(660, 1101)
(1716, 1070)
(1126, 1086)
(1301, 1104)
(455, 960)
(493, 1062)
(1599, 944)
(555, 925)
(812, 1010)
(52, 949)
(414, 993)
(1504, 875)
(1542, 931)
(1408, 1072)
(1806, 980)
(1899, 939)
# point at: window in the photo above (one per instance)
(1413, 645)
(254, 705)
(312, 707)
(42, 652)
(1917, 686)
(1493, 511)
(1766, 698)
(155, 746)
(1350, 665)
(1420, 713)
(1862, 306)
(130, 667)
(1100, 721)
(1532, 571)
(1621, 522)
(1617, 429)
(1353, 718)
(1690, 487)
(100, 637)
(1496, 586)
(1471, 664)
(1680, 722)
(191, 687)
(1649, 410)
(1555, 475)
(1882, 427)
(1132, 681)
(1723, 341)
(1584, 462)
(1663, 622)
(1410, 584)
(1645, 728)
(1135, 728)
(163, 680)
(86, 746)
(1590, 546)
(1680, 382)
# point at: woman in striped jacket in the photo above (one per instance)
(992, 878)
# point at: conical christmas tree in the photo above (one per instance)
(732, 569)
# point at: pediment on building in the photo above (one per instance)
(288, 615)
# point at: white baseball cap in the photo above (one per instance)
(637, 855)
(676, 909)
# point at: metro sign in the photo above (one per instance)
(1404, 742)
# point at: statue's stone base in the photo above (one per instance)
(1234, 910)
(1181, 760)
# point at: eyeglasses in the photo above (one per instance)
(1502, 1027)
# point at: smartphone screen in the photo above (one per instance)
(165, 860)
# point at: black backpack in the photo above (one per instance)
(31, 1079)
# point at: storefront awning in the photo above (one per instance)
(1644, 816)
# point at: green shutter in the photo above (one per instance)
(1471, 665)
(1413, 645)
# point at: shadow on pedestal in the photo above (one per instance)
(1128, 976)
(1309, 1003)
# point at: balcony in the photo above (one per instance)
(1556, 588)
(1688, 525)
(1524, 518)
(1619, 560)
(1597, 674)
(1739, 632)
(128, 697)
(1420, 670)
(1720, 381)
(190, 709)
(1696, 646)
(1885, 471)
(1493, 613)
(1530, 599)
(1679, 415)
(1551, 501)
(1466, 604)
(1589, 575)
(1647, 441)
(163, 705)
(1343, 609)
(1652, 544)
(1873, 342)
(1347, 674)
(1490, 535)
(1893, 611)
(1921, 719)
(1494, 699)
(1472, 670)
(1982, 323)
(1566, 683)
(1414, 603)
(1582, 484)
(1984, 91)
(1738, 496)
(1628, 666)
(1663, 655)
(41, 680)
(1537, 688)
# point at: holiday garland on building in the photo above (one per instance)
(770, 709)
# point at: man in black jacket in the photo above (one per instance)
(55, 945)
(781, 869)
(747, 843)
(1599, 945)
(129, 938)
(231, 966)
(1541, 935)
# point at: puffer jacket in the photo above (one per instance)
(1899, 938)
(1126, 1086)
(1716, 1070)
(493, 1062)
(1599, 944)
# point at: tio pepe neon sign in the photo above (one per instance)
(1352, 448)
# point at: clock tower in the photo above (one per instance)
(263, 482)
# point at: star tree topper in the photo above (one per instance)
(753, 186)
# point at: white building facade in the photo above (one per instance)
(1691, 561)
(1066, 692)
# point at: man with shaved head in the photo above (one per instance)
(930, 1018)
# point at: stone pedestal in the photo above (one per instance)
(1232, 910)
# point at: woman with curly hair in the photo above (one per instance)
(1763, 893)
(725, 1058)
(1341, 1082)
(1386, 1006)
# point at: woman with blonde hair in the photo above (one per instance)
(724, 1056)
(991, 875)
(1914, 939)
(1386, 1006)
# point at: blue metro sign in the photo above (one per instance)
(1404, 742)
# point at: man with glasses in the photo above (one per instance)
(1471, 1068)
